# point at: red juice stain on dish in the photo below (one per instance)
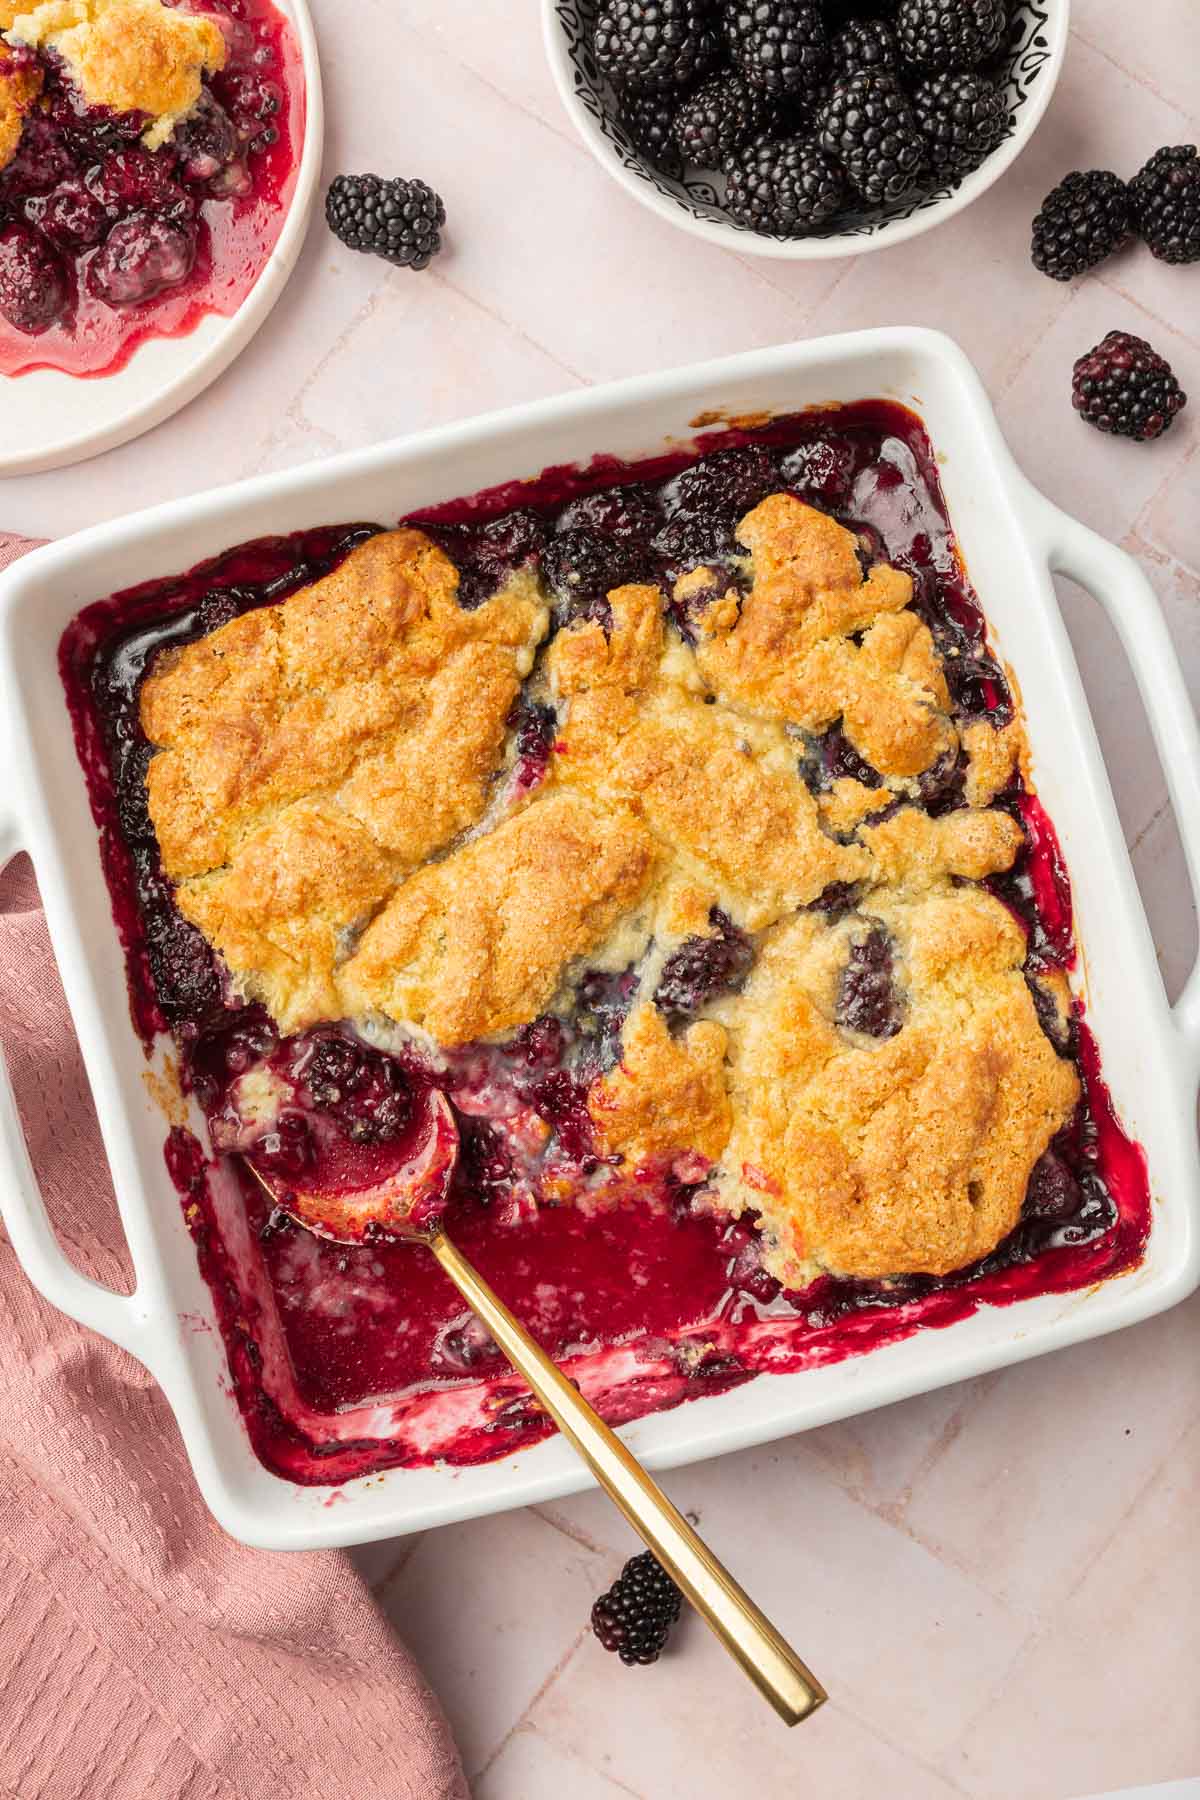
(350, 1360)
(234, 235)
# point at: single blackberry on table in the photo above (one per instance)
(863, 44)
(1080, 222)
(778, 45)
(787, 185)
(649, 119)
(642, 44)
(1164, 199)
(1125, 387)
(398, 220)
(719, 118)
(950, 34)
(635, 1616)
(868, 125)
(961, 117)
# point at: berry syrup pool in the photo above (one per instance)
(212, 201)
(348, 1360)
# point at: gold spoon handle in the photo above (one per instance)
(746, 1633)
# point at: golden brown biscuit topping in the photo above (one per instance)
(131, 55)
(866, 1071)
(19, 88)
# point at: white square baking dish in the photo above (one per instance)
(1011, 539)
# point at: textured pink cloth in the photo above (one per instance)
(143, 1654)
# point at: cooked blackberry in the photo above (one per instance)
(950, 34)
(702, 968)
(863, 44)
(788, 185)
(728, 483)
(869, 126)
(961, 117)
(867, 1000)
(1165, 203)
(398, 220)
(642, 44)
(1124, 387)
(581, 567)
(719, 118)
(1080, 222)
(778, 45)
(635, 1616)
(649, 119)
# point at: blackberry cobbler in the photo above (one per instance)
(675, 821)
(148, 152)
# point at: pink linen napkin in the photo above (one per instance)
(144, 1655)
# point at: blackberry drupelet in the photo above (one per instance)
(1080, 222)
(1124, 387)
(654, 43)
(398, 220)
(635, 1616)
(719, 118)
(863, 44)
(950, 34)
(868, 125)
(961, 117)
(1164, 200)
(779, 45)
(649, 119)
(788, 185)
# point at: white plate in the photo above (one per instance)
(52, 419)
(1011, 539)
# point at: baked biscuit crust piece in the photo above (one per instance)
(19, 88)
(787, 653)
(667, 1094)
(909, 1155)
(131, 55)
(478, 944)
(372, 681)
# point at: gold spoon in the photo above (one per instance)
(408, 1207)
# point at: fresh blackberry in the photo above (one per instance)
(1165, 202)
(1080, 222)
(719, 118)
(950, 34)
(641, 44)
(398, 220)
(961, 117)
(635, 1616)
(649, 120)
(863, 44)
(868, 125)
(786, 185)
(779, 46)
(1124, 387)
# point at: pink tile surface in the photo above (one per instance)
(998, 1581)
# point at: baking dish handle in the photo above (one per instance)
(1113, 578)
(38, 1250)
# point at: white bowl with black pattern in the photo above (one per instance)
(695, 202)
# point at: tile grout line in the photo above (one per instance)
(1137, 76)
(548, 1517)
(1171, 325)
(558, 1669)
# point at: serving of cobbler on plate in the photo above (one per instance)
(148, 154)
(677, 822)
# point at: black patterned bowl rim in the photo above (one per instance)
(1034, 61)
